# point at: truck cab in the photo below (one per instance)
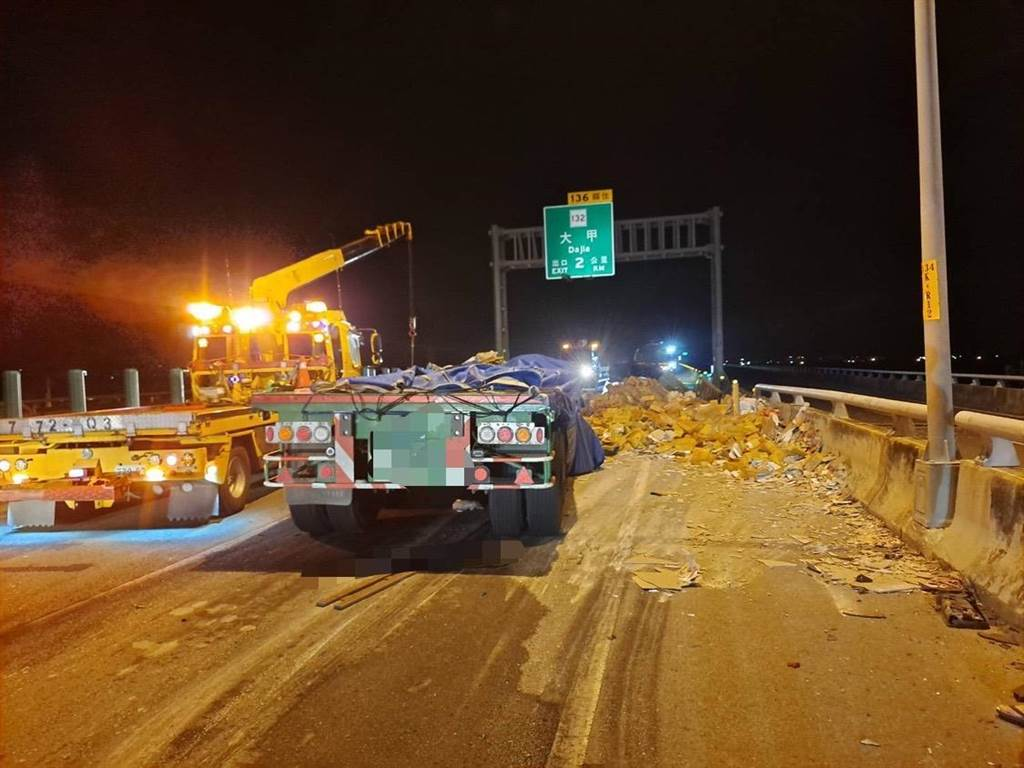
(256, 351)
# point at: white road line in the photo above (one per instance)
(569, 749)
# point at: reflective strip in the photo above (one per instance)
(344, 450)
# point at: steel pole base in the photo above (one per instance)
(935, 492)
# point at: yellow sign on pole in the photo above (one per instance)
(590, 196)
(930, 289)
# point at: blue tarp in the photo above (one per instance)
(558, 379)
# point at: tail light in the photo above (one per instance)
(498, 433)
(299, 432)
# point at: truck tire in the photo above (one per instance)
(505, 508)
(358, 516)
(234, 491)
(310, 518)
(544, 507)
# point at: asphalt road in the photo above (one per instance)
(205, 646)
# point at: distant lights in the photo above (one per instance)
(202, 342)
(293, 326)
(294, 316)
(316, 306)
(227, 329)
(200, 330)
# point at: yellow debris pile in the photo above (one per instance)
(641, 415)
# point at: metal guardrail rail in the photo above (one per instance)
(1002, 431)
(968, 379)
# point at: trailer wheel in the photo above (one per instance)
(234, 491)
(310, 518)
(358, 516)
(544, 507)
(505, 508)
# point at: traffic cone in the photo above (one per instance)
(302, 380)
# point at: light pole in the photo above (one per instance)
(935, 506)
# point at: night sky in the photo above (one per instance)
(151, 150)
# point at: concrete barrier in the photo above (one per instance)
(984, 542)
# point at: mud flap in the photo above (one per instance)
(31, 513)
(192, 501)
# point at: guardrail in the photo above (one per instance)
(1002, 432)
(967, 379)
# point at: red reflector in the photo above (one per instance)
(325, 472)
(539, 435)
(505, 435)
(303, 434)
(480, 474)
(270, 435)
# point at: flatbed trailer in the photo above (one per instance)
(199, 457)
(345, 455)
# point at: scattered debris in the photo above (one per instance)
(885, 585)
(659, 574)
(1018, 693)
(793, 664)
(466, 505)
(849, 548)
(961, 613)
(1011, 714)
(863, 614)
(870, 743)
(1002, 637)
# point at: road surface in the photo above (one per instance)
(205, 646)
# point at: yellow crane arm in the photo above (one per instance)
(274, 287)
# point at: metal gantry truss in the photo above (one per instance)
(687, 236)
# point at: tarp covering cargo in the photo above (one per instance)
(558, 379)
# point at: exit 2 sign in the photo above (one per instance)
(579, 241)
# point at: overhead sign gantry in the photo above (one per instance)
(693, 235)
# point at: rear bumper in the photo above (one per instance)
(58, 491)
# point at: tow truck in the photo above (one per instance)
(201, 456)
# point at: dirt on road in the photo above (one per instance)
(551, 654)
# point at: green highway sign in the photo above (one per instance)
(579, 241)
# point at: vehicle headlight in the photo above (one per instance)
(171, 459)
(154, 458)
(5, 465)
(587, 371)
(21, 465)
(155, 474)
